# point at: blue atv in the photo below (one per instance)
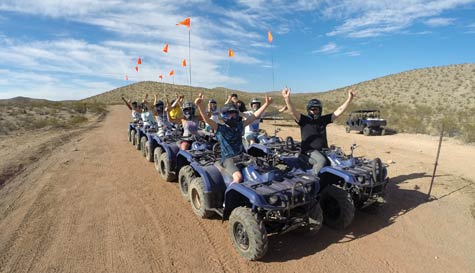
(204, 151)
(268, 201)
(347, 182)
(132, 130)
(165, 150)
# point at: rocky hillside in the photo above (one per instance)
(416, 101)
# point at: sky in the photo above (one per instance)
(74, 49)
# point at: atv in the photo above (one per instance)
(133, 127)
(204, 150)
(268, 201)
(347, 182)
(367, 122)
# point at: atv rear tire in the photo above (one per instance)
(196, 194)
(338, 207)
(377, 170)
(143, 142)
(137, 142)
(157, 152)
(165, 168)
(185, 176)
(366, 131)
(248, 233)
(148, 151)
(132, 137)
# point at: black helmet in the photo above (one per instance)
(159, 106)
(134, 104)
(229, 107)
(241, 106)
(314, 103)
(212, 101)
(144, 107)
(255, 101)
(188, 109)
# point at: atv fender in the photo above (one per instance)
(238, 195)
(171, 151)
(327, 171)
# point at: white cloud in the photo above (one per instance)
(353, 53)
(375, 18)
(142, 28)
(329, 48)
(439, 22)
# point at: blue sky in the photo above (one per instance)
(78, 48)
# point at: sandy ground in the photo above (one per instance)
(93, 204)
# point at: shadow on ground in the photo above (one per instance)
(399, 201)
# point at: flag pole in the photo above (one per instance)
(272, 57)
(189, 51)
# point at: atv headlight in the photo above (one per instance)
(273, 200)
(360, 179)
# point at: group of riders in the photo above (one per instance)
(233, 121)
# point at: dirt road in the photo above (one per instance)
(95, 205)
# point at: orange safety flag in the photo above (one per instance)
(185, 22)
(137, 68)
(231, 53)
(269, 36)
(165, 48)
(183, 63)
(139, 61)
(126, 77)
(172, 73)
(160, 76)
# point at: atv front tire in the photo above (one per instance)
(157, 152)
(248, 233)
(148, 151)
(143, 141)
(185, 176)
(196, 194)
(165, 168)
(338, 207)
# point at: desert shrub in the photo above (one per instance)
(468, 133)
(79, 107)
(97, 108)
(75, 120)
(50, 122)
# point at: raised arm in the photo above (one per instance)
(150, 107)
(258, 113)
(290, 105)
(198, 102)
(342, 108)
(286, 94)
(127, 103)
(283, 109)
